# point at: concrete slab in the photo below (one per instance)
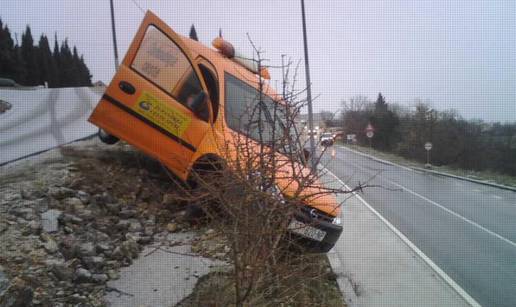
(160, 279)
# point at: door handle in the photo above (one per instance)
(126, 87)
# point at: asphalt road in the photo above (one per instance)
(467, 229)
(41, 119)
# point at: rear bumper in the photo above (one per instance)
(332, 231)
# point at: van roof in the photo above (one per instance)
(220, 61)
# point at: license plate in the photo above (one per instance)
(305, 230)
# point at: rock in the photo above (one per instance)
(145, 239)
(113, 208)
(103, 247)
(123, 224)
(70, 218)
(84, 197)
(150, 221)
(113, 275)
(219, 255)
(60, 192)
(209, 231)
(12, 196)
(60, 270)
(26, 213)
(129, 249)
(172, 227)
(35, 227)
(135, 236)
(4, 281)
(135, 226)
(68, 230)
(82, 276)
(74, 203)
(148, 231)
(169, 198)
(3, 227)
(99, 278)
(94, 263)
(86, 215)
(118, 253)
(18, 294)
(49, 220)
(51, 246)
(27, 193)
(86, 249)
(127, 213)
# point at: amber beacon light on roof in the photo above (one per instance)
(227, 50)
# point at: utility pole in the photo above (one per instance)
(308, 91)
(115, 48)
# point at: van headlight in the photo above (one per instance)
(336, 221)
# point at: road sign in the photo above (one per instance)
(369, 134)
(428, 146)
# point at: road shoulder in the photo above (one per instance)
(378, 267)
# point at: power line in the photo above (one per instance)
(138, 6)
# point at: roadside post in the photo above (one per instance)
(308, 91)
(115, 48)
(428, 147)
(369, 133)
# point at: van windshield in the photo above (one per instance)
(245, 113)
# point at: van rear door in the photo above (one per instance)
(148, 102)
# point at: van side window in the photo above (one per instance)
(160, 61)
(245, 113)
(213, 88)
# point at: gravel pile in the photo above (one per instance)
(68, 225)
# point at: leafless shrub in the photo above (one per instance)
(251, 196)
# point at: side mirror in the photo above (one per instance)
(199, 105)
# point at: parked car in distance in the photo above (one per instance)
(327, 139)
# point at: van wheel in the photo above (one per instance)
(107, 138)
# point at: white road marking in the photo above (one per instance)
(497, 197)
(376, 159)
(471, 301)
(494, 234)
(476, 190)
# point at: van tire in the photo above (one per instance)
(107, 138)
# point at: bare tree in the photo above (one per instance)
(261, 185)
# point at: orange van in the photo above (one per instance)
(177, 100)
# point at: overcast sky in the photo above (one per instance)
(456, 53)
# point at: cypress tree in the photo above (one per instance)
(7, 64)
(30, 64)
(57, 60)
(85, 73)
(29, 54)
(75, 68)
(65, 65)
(47, 63)
(193, 33)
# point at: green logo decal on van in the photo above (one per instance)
(163, 115)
